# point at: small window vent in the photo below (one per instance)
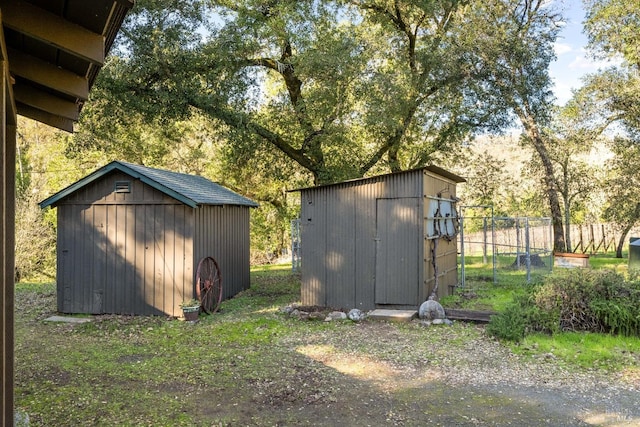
(122, 187)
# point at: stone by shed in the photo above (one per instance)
(381, 242)
(130, 239)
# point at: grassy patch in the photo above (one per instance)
(249, 364)
(484, 291)
(571, 348)
(610, 262)
(587, 350)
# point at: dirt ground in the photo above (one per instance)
(263, 368)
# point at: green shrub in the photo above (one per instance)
(523, 317)
(508, 325)
(573, 300)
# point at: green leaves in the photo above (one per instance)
(613, 28)
(341, 88)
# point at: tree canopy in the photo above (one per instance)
(342, 88)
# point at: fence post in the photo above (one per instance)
(493, 247)
(484, 240)
(517, 220)
(527, 249)
(462, 275)
(295, 245)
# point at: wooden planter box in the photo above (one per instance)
(570, 260)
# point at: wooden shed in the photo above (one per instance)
(380, 242)
(130, 239)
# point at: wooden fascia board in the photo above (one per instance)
(127, 4)
(50, 119)
(438, 171)
(41, 100)
(46, 74)
(53, 30)
(115, 165)
(8, 79)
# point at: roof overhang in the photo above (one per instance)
(105, 170)
(432, 169)
(55, 50)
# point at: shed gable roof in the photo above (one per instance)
(431, 168)
(192, 190)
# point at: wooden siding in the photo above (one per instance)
(338, 233)
(7, 242)
(446, 250)
(128, 253)
(222, 232)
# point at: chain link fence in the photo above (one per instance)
(504, 249)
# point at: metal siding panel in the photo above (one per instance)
(365, 250)
(224, 235)
(168, 272)
(63, 263)
(323, 242)
(131, 277)
(235, 240)
(246, 251)
(225, 249)
(123, 258)
(397, 259)
(112, 284)
(159, 258)
(79, 262)
(340, 254)
(116, 286)
(86, 240)
(222, 247)
(200, 231)
(232, 241)
(138, 301)
(99, 260)
(187, 219)
(313, 236)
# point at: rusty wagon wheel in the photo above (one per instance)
(209, 284)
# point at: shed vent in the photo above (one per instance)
(122, 187)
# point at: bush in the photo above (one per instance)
(509, 325)
(573, 300)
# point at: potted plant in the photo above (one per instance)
(190, 309)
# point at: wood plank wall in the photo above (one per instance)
(446, 251)
(7, 239)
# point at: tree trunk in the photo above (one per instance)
(623, 238)
(567, 224)
(567, 203)
(559, 244)
(625, 231)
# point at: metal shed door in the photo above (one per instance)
(397, 250)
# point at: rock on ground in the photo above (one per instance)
(431, 310)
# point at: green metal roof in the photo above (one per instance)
(192, 190)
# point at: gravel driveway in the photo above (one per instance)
(460, 377)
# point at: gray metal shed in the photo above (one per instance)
(130, 239)
(371, 243)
